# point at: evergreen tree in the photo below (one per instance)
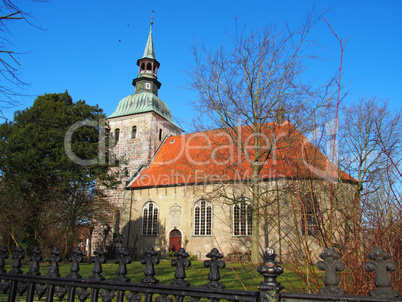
(46, 196)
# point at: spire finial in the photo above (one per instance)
(149, 51)
(152, 18)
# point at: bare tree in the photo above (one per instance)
(370, 148)
(370, 144)
(12, 84)
(367, 128)
(250, 86)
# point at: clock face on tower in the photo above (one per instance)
(139, 85)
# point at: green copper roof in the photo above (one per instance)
(140, 103)
(149, 51)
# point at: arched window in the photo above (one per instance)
(309, 211)
(150, 215)
(116, 135)
(202, 218)
(242, 218)
(134, 132)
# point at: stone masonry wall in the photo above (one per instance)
(132, 153)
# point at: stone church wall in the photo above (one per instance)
(131, 153)
(280, 222)
(176, 211)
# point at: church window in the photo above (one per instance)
(150, 215)
(116, 135)
(147, 85)
(134, 132)
(107, 134)
(309, 212)
(202, 218)
(142, 68)
(160, 134)
(242, 218)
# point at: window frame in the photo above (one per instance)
(242, 209)
(309, 215)
(202, 223)
(149, 222)
(116, 135)
(134, 131)
(160, 134)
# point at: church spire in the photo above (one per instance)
(147, 79)
(149, 51)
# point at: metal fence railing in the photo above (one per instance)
(32, 286)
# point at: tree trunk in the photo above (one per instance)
(255, 244)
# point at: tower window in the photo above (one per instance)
(116, 135)
(142, 68)
(147, 85)
(160, 134)
(134, 132)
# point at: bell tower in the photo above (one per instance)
(147, 79)
(138, 126)
(141, 120)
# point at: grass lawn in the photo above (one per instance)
(234, 275)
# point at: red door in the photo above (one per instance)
(174, 240)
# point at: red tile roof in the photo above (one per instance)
(214, 156)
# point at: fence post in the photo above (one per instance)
(54, 271)
(123, 259)
(100, 258)
(381, 266)
(3, 257)
(181, 263)
(36, 256)
(331, 265)
(76, 258)
(18, 255)
(4, 285)
(214, 264)
(151, 257)
(270, 287)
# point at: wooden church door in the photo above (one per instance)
(174, 240)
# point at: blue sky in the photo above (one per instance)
(91, 47)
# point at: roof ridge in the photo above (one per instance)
(217, 129)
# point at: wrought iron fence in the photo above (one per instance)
(74, 288)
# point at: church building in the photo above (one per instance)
(186, 190)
